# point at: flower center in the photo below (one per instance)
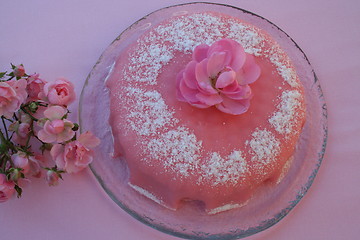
(62, 91)
(213, 80)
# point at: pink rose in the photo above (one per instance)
(219, 75)
(21, 160)
(35, 86)
(76, 155)
(19, 71)
(52, 178)
(55, 128)
(12, 95)
(60, 92)
(29, 164)
(6, 188)
(21, 128)
(21, 131)
(34, 163)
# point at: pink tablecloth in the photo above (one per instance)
(65, 38)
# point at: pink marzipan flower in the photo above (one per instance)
(55, 128)
(76, 155)
(35, 86)
(6, 188)
(59, 92)
(12, 95)
(219, 75)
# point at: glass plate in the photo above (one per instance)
(268, 206)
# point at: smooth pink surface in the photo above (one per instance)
(65, 38)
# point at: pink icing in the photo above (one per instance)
(219, 75)
(176, 153)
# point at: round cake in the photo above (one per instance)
(178, 150)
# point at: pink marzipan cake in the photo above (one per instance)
(177, 152)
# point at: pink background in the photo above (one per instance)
(65, 38)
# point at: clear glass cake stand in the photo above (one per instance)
(268, 206)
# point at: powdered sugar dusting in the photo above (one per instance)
(179, 147)
(186, 32)
(283, 120)
(265, 147)
(225, 170)
(247, 36)
(151, 56)
(149, 112)
(283, 65)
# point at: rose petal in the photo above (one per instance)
(234, 107)
(236, 54)
(225, 79)
(231, 88)
(20, 88)
(57, 126)
(216, 63)
(55, 112)
(65, 135)
(250, 72)
(88, 140)
(57, 153)
(209, 100)
(6, 90)
(200, 105)
(187, 93)
(239, 56)
(46, 137)
(189, 75)
(241, 92)
(200, 52)
(203, 79)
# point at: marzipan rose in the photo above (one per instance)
(219, 75)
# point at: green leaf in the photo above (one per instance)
(76, 127)
(18, 190)
(2, 74)
(60, 176)
(3, 148)
(12, 66)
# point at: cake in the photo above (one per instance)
(180, 151)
